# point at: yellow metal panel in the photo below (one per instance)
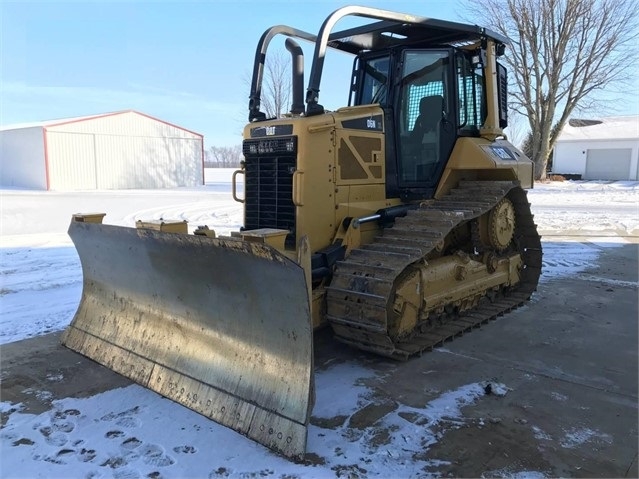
(165, 226)
(360, 145)
(481, 159)
(316, 159)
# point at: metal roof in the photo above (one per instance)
(59, 121)
(609, 128)
(65, 121)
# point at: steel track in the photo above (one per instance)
(363, 285)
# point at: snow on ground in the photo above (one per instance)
(40, 275)
(40, 272)
(592, 207)
(132, 432)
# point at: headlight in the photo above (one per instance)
(271, 146)
(290, 145)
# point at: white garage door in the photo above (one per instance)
(608, 164)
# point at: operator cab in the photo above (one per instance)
(431, 77)
(433, 96)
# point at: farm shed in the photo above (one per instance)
(604, 149)
(118, 150)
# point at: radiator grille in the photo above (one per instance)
(268, 193)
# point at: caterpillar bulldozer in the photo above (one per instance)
(399, 220)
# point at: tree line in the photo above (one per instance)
(223, 157)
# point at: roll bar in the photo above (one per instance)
(258, 65)
(374, 36)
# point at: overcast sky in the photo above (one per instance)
(183, 62)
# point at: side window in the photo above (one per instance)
(374, 87)
(471, 101)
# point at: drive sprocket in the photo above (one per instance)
(501, 224)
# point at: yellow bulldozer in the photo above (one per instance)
(400, 220)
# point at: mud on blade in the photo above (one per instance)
(220, 326)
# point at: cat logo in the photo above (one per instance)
(270, 130)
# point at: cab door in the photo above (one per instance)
(425, 125)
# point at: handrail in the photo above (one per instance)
(234, 185)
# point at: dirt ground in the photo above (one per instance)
(569, 360)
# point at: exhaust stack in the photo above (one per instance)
(297, 67)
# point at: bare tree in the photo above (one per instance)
(275, 101)
(208, 159)
(517, 129)
(563, 53)
(224, 156)
(527, 146)
(276, 87)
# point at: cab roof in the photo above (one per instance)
(417, 31)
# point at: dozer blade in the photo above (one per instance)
(221, 326)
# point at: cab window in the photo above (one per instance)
(471, 95)
(374, 86)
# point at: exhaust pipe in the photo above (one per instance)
(297, 67)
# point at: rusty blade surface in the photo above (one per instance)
(221, 326)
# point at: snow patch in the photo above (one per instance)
(609, 281)
(567, 259)
(540, 434)
(339, 389)
(578, 436)
(508, 474)
(498, 389)
(7, 407)
(41, 395)
(118, 433)
(558, 397)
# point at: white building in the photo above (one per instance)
(118, 150)
(605, 149)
